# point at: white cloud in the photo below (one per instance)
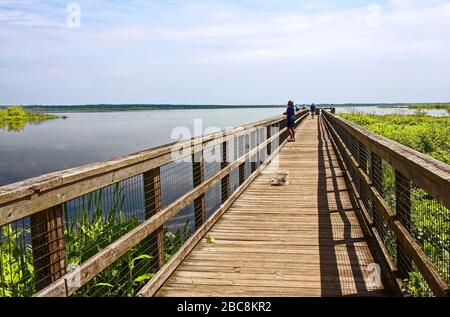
(157, 38)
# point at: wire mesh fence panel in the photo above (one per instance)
(415, 284)
(128, 274)
(176, 180)
(234, 180)
(37, 250)
(212, 163)
(388, 193)
(253, 139)
(177, 230)
(125, 276)
(388, 184)
(241, 148)
(17, 276)
(363, 161)
(429, 224)
(275, 142)
(247, 169)
(213, 199)
(366, 199)
(386, 234)
(212, 166)
(97, 219)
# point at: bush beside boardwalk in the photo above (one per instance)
(426, 134)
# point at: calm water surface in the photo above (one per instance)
(89, 137)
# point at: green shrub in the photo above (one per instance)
(15, 118)
(426, 134)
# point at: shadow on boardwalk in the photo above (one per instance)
(333, 250)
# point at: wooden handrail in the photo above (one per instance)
(103, 259)
(30, 196)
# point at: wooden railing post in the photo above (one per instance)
(152, 199)
(403, 211)
(241, 174)
(253, 144)
(241, 145)
(225, 182)
(47, 240)
(269, 135)
(198, 172)
(281, 125)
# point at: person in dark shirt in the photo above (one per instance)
(290, 114)
(313, 110)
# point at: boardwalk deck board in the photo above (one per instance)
(304, 239)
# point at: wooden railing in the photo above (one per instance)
(405, 199)
(63, 230)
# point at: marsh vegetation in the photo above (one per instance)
(426, 134)
(15, 118)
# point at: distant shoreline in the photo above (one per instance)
(149, 107)
(132, 107)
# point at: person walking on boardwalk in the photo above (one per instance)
(290, 114)
(313, 110)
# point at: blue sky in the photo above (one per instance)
(225, 52)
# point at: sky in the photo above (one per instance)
(224, 51)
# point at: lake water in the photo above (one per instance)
(89, 137)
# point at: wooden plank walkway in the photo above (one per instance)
(304, 239)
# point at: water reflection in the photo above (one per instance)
(18, 125)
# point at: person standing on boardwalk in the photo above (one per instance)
(290, 114)
(313, 110)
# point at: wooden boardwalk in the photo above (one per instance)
(305, 239)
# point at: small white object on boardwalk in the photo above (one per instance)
(304, 239)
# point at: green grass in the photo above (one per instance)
(15, 118)
(426, 134)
